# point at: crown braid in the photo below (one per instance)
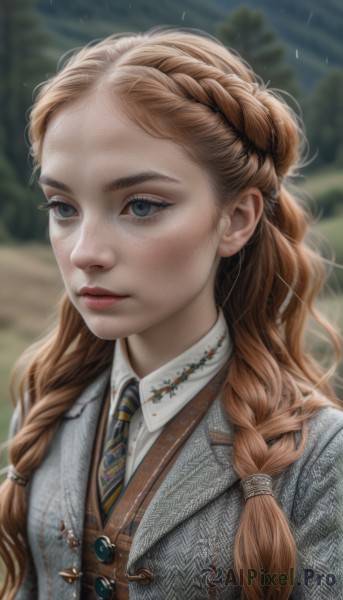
(225, 93)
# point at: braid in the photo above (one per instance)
(269, 391)
(57, 376)
(226, 94)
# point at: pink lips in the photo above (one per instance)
(99, 298)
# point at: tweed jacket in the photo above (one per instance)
(187, 533)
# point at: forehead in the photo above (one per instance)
(95, 131)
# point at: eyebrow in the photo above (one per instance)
(114, 185)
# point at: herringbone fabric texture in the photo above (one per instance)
(186, 536)
(111, 472)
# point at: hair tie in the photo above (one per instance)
(257, 484)
(13, 475)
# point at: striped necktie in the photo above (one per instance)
(111, 471)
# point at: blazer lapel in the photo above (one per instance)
(202, 472)
(78, 432)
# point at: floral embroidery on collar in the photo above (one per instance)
(170, 387)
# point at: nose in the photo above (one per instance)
(94, 248)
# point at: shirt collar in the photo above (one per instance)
(168, 389)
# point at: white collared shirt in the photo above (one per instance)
(164, 392)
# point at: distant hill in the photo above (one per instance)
(310, 29)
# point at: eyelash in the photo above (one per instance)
(51, 204)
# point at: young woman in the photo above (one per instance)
(164, 164)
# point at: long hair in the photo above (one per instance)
(188, 88)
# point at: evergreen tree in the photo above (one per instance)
(246, 32)
(23, 64)
(324, 119)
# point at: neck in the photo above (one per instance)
(153, 348)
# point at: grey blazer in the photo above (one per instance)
(186, 535)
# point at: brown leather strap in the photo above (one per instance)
(158, 460)
(124, 518)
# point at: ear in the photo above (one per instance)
(238, 221)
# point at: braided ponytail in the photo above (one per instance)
(190, 89)
(264, 394)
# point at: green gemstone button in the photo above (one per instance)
(104, 549)
(103, 588)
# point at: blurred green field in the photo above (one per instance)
(328, 179)
(332, 232)
(31, 288)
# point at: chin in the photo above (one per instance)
(105, 333)
(113, 327)
(108, 329)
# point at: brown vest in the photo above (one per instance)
(114, 537)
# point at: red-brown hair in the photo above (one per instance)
(190, 89)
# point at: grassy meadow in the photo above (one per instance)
(30, 290)
(328, 179)
(31, 287)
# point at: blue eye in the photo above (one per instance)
(141, 208)
(61, 210)
(65, 211)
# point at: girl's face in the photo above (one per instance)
(132, 224)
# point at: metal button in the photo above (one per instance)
(103, 588)
(143, 576)
(71, 540)
(104, 549)
(71, 575)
